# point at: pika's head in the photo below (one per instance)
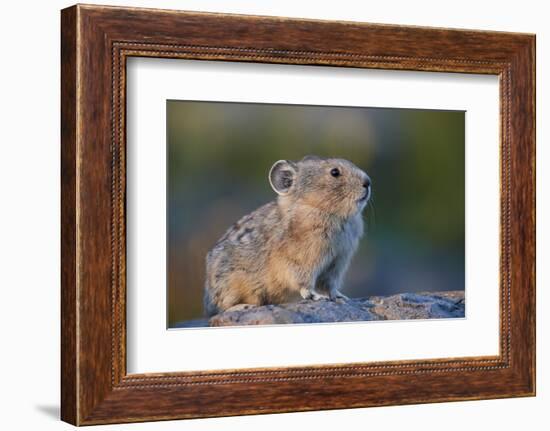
(335, 186)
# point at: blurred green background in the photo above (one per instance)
(219, 155)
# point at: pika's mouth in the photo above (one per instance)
(365, 196)
(366, 191)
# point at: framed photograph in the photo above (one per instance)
(320, 202)
(263, 214)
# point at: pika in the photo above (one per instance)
(296, 246)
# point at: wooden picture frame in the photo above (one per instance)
(95, 43)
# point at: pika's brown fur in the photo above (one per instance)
(299, 245)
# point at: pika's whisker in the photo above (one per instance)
(371, 218)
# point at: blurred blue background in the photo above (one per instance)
(219, 155)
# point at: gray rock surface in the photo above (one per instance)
(428, 305)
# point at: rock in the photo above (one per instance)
(433, 305)
(428, 305)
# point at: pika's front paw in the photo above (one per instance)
(338, 296)
(312, 295)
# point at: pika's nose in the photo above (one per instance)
(366, 183)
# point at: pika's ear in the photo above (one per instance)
(282, 176)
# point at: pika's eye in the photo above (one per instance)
(335, 172)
